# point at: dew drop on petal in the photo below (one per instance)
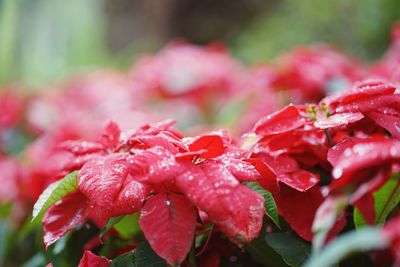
(337, 172)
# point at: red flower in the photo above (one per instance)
(168, 176)
(375, 100)
(365, 165)
(309, 72)
(181, 69)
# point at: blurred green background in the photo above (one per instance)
(42, 41)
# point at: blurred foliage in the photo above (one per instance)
(42, 41)
(359, 27)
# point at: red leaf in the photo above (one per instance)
(362, 159)
(390, 122)
(81, 147)
(359, 92)
(212, 143)
(168, 222)
(366, 206)
(284, 120)
(338, 120)
(299, 208)
(269, 181)
(105, 181)
(131, 197)
(102, 178)
(92, 260)
(63, 216)
(243, 170)
(154, 165)
(236, 209)
(110, 135)
(10, 172)
(264, 169)
(300, 180)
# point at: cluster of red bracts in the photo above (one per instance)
(170, 180)
(173, 181)
(344, 146)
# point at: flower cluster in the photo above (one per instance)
(250, 177)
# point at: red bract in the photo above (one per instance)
(285, 120)
(168, 222)
(234, 208)
(338, 120)
(212, 144)
(365, 165)
(85, 103)
(375, 100)
(288, 146)
(10, 179)
(91, 260)
(65, 215)
(106, 183)
(180, 174)
(11, 108)
(63, 153)
(309, 72)
(356, 160)
(182, 69)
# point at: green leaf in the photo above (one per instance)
(146, 257)
(111, 222)
(385, 200)
(264, 254)
(293, 250)
(5, 209)
(364, 239)
(128, 226)
(124, 260)
(4, 235)
(54, 192)
(270, 206)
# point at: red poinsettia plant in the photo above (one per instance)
(242, 179)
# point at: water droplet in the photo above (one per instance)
(347, 152)
(393, 151)
(337, 172)
(233, 258)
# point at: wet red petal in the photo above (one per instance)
(285, 120)
(236, 209)
(92, 260)
(212, 143)
(81, 147)
(338, 120)
(63, 216)
(110, 135)
(154, 165)
(168, 222)
(101, 179)
(300, 180)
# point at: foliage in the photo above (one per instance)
(282, 184)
